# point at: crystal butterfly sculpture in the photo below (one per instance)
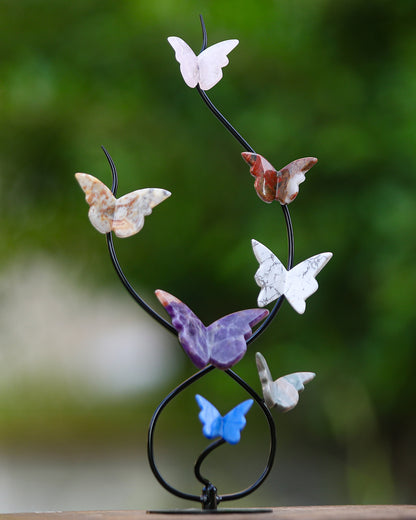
(124, 216)
(284, 392)
(223, 343)
(297, 284)
(282, 185)
(204, 69)
(228, 427)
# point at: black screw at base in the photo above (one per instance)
(209, 498)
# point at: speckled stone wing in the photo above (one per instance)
(132, 208)
(223, 343)
(205, 69)
(228, 427)
(274, 280)
(101, 201)
(281, 185)
(284, 392)
(124, 216)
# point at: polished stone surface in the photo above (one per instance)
(223, 343)
(228, 427)
(206, 68)
(281, 185)
(284, 392)
(296, 285)
(124, 216)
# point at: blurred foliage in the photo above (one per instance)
(331, 79)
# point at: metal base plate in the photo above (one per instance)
(194, 511)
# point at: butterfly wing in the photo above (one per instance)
(192, 332)
(270, 276)
(211, 61)
(290, 177)
(265, 174)
(131, 209)
(299, 379)
(297, 284)
(266, 380)
(227, 336)
(187, 60)
(301, 283)
(287, 388)
(210, 418)
(101, 201)
(234, 422)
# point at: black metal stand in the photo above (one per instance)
(209, 498)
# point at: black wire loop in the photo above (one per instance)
(208, 492)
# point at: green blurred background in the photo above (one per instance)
(83, 368)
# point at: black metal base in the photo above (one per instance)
(224, 511)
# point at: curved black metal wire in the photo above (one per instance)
(285, 209)
(139, 300)
(204, 498)
(272, 428)
(110, 244)
(202, 457)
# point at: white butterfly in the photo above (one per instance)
(204, 69)
(297, 284)
(124, 216)
(284, 392)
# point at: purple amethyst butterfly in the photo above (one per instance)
(223, 343)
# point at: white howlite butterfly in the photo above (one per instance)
(124, 216)
(284, 392)
(297, 284)
(205, 68)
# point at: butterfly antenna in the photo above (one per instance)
(116, 263)
(204, 33)
(113, 171)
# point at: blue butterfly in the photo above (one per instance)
(228, 427)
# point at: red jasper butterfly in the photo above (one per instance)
(281, 185)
